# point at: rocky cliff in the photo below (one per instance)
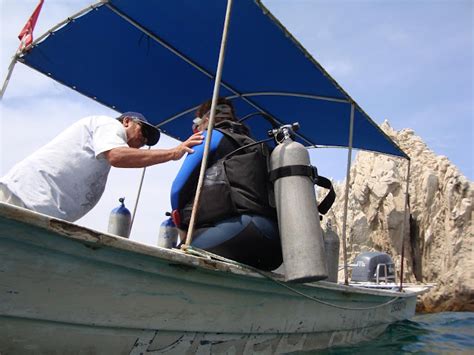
(438, 232)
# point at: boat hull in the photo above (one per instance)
(68, 289)
(22, 336)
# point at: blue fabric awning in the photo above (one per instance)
(160, 58)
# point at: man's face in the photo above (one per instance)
(135, 137)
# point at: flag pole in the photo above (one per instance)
(26, 38)
(9, 74)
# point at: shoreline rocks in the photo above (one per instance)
(437, 228)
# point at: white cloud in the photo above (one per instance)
(340, 68)
(397, 36)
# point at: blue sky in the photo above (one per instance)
(410, 62)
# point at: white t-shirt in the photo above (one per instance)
(66, 177)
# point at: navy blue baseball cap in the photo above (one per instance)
(151, 133)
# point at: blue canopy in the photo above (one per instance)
(160, 58)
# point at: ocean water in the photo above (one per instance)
(439, 333)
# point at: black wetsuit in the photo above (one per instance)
(235, 219)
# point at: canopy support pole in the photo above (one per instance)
(39, 39)
(346, 194)
(215, 96)
(194, 65)
(9, 74)
(244, 96)
(138, 196)
(404, 224)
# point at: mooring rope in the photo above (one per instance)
(205, 254)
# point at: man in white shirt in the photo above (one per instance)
(66, 177)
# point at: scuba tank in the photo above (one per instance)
(120, 220)
(298, 217)
(168, 236)
(331, 245)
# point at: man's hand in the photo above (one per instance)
(128, 157)
(185, 147)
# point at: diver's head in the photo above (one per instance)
(224, 111)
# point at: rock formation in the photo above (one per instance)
(438, 229)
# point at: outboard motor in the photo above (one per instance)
(120, 220)
(298, 217)
(373, 267)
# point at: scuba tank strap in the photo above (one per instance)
(328, 201)
(312, 172)
(294, 170)
(242, 148)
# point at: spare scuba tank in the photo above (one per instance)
(120, 220)
(331, 246)
(298, 217)
(168, 236)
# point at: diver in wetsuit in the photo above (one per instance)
(234, 219)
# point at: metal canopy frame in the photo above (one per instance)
(208, 74)
(244, 96)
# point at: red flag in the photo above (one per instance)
(26, 34)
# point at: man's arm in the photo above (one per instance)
(127, 157)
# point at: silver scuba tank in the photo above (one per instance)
(120, 220)
(331, 246)
(168, 236)
(298, 217)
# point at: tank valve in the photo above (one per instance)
(284, 132)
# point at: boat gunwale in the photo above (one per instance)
(76, 232)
